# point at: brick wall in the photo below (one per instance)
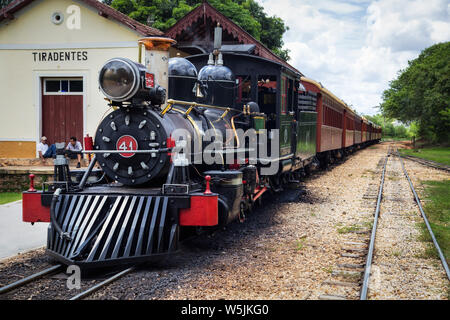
(21, 182)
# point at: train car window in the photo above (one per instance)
(244, 83)
(290, 94)
(284, 94)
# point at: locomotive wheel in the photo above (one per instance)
(307, 170)
(242, 212)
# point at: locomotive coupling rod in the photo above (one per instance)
(33, 277)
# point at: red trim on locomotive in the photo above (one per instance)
(204, 211)
(32, 208)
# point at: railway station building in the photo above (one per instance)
(51, 52)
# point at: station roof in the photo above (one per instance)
(103, 10)
(193, 27)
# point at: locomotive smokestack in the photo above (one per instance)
(157, 58)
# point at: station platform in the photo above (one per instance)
(17, 236)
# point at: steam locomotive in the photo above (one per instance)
(190, 144)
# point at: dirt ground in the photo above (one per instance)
(307, 243)
(291, 248)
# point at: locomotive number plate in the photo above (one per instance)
(127, 143)
(149, 80)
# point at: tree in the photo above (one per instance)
(4, 3)
(390, 129)
(421, 93)
(248, 14)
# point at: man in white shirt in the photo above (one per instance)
(74, 147)
(44, 150)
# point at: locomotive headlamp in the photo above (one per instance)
(121, 80)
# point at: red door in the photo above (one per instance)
(62, 113)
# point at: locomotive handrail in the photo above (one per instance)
(164, 150)
(192, 104)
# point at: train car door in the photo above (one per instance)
(306, 125)
(286, 115)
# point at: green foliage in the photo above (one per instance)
(248, 14)
(421, 93)
(437, 154)
(390, 130)
(6, 197)
(437, 209)
(4, 3)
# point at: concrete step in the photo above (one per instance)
(36, 162)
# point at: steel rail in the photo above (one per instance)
(29, 279)
(436, 244)
(367, 269)
(428, 163)
(91, 290)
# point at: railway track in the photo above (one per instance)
(393, 151)
(428, 163)
(361, 247)
(56, 269)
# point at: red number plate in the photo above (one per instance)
(127, 143)
(149, 80)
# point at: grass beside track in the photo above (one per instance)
(7, 197)
(437, 209)
(437, 154)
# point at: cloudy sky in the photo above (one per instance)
(355, 47)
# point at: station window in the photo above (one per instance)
(63, 86)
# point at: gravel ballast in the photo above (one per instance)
(307, 243)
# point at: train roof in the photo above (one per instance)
(328, 92)
(241, 56)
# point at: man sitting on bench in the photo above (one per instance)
(73, 148)
(44, 150)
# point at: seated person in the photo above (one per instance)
(44, 150)
(73, 147)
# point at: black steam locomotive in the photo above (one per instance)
(167, 167)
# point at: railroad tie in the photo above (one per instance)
(332, 297)
(341, 283)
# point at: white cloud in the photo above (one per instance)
(356, 47)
